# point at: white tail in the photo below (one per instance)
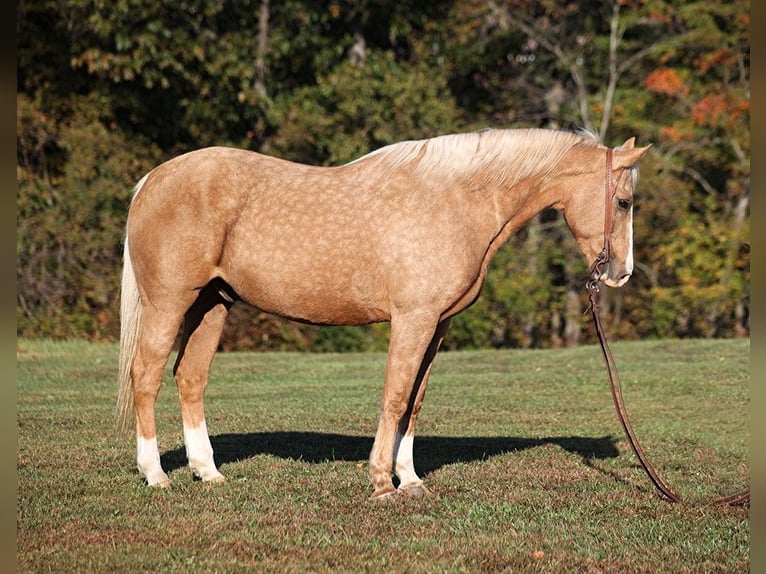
(130, 327)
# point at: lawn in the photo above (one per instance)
(522, 451)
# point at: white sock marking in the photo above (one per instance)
(405, 465)
(148, 460)
(199, 452)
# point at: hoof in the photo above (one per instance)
(156, 480)
(220, 479)
(385, 494)
(212, 477)
(414, 491)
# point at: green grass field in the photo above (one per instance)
(521, 450)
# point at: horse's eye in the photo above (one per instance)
(624, 204)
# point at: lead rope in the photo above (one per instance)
(610, 365)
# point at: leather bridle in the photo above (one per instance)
(596, 271)
(610, 191)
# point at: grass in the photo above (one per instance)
(521, 450)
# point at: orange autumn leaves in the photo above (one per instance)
(668, 82)
(717, 110)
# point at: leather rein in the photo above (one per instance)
(596, 271)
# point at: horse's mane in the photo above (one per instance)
(487, 156)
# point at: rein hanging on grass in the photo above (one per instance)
(611, 367)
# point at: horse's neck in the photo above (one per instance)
(513, 207)
(526, 186)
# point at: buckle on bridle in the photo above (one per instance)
(596, 270)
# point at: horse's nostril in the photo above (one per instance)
(623, 279)
(616, 282)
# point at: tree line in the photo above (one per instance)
(108, 90)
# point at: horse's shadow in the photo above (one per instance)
(431, 452)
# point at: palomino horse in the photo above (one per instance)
(403, 234)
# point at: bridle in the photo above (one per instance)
(603, 257)
(615, 386)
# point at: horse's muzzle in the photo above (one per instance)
(605, 271)
(619, 282)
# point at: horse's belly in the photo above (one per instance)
(317, 295)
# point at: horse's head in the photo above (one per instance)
(606, 187)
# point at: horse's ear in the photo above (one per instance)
(629, 144)
(627, 154)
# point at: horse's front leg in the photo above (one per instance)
(411, 336)
(404, 464)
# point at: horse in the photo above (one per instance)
(403, 234)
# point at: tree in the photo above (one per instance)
(357, 109)
(551, 65)
(108, 90)
(696, 92)
(71, 219)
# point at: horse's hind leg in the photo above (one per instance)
(158, 333)
(404, 465)
(203, 325)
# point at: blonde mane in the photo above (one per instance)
(483, 157)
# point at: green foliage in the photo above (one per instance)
(69, 237)
(108, 90)
(516, 306)
(356, 109)
(695, 104)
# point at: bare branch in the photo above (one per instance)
(263, 47)
(614, 40)
(571, 64)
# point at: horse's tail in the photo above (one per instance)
(131, 312)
